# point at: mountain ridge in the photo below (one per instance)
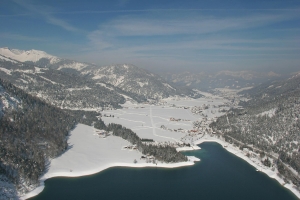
(126, 79)
(220, 79)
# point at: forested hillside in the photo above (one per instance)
(269, 122)
(61, 89)
(31, 132)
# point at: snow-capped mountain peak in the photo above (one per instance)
(27, 55)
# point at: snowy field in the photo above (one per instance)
(91, 154)
(146, 120)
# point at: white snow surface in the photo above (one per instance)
(7, 71)
(142, 83)
(30, 55)
(270, 113)
(7, 59)
(91, 154)
(145, 120)
(169, 86)
(75, 65)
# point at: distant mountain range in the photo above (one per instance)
(229, 79)
(71, 84)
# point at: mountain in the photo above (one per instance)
(133, 79)
(221, 79)
(274, 90)
(269, 123)
(59, 88)
(137, 83)
(30, 55)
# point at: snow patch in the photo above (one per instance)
(5, 70)
(48, 80)
(104, 85)
(142, 84)
(99, 76)
(6, 59)
(167, 85)
(84, 88)
(76, 65)
(269, 113)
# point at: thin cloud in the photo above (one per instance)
(192, 40)
(49, 18)
(109, 34)
(137, 26)
(170, 10)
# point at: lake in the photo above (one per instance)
(219, 175)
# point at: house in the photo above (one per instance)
(101, 133)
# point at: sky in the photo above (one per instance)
(170, 35)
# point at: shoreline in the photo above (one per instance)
(41, 187)
(90, 154)
(260, 168)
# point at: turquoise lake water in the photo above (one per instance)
(219, 175)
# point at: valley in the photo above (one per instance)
(123, 115)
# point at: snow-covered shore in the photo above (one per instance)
(254, 162)
(91, 154)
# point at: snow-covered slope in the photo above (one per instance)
(133, 79)
(60, 88)
(7, 102)
(276, 89)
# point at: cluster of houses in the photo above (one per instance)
(106, 115)
(148, 158)
(198, 109)
(177, 120)
(182, 107)
(130, 147)
(193, 131)
(102, 133)
(137, 107)
(175, 130)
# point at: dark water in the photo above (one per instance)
(219, 175)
